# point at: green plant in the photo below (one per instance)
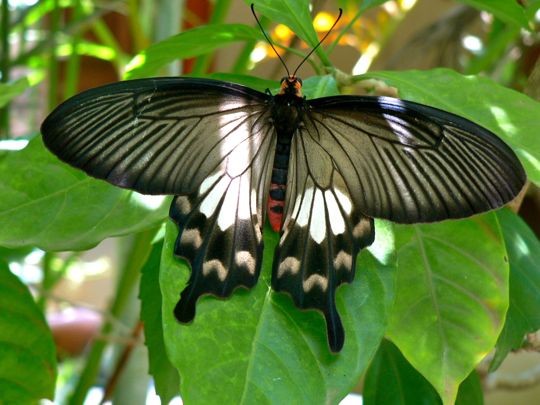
(444, 294)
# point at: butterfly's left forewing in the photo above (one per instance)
(208, 142)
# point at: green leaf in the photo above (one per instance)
(392, 380)
(257, 347)
(8, 91)
(28, 365)
(523, 314)
(470, 391)
(294, 14)
(250, 81)
(509, 114)
(48, 204)
(320, 86)
(194, 42)
(451, 298)
(509, 11)
(165, 376)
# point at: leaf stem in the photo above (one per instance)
(140, 249)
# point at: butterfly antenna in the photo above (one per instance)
(320, 42)
(268, 39)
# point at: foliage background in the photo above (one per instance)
(429, 301)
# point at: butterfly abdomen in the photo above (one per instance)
(287, 111)
(278, 187)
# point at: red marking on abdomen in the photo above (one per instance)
(274, 217)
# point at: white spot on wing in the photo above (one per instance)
(344, 201)
(211, 201)
(315, 280)
(336, 219)
(183, 204)
(289, 265)
(244, 258)
(343, 259)
(191, 237)
(317, 228)
(208, 182)
(228, 212)
(215, 266)
(361, 228)
(302, 218)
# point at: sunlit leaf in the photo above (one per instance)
(451, 298)
(8, 91)
(194, 42)
(523, 314)
(48, 204)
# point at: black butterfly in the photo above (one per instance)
(324, 168)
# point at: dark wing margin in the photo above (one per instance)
(221, 229)
(158, 135)
(322, 234)
(208, 142)
(410, 163)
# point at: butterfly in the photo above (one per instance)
(319, 169)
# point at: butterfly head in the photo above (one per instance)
(291, 85)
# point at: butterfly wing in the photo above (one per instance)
(157, 136)
(410, 163)
(354, 158)
(322, 233)
(208, 142)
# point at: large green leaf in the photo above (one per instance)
(165, 376)
(391, 380)
(509, 11)
(294, 14)
(27, 353)
(511, 115)
(524, 312)
(257, 347)
(194, 42)
(48, 204)
(451, 298)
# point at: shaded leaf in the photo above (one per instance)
(263, 347)
(48, 204)
(509, 11)
(194, 42)
(165, 376)
(523, 314)
(509, 114)
(470, 391)
(451, 298)
(392, 380)
(28, 365)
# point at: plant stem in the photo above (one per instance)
(218, 16)
(4, 66)
(74, 61)
(53, 62)
(129, 277)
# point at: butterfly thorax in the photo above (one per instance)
(287, 110)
